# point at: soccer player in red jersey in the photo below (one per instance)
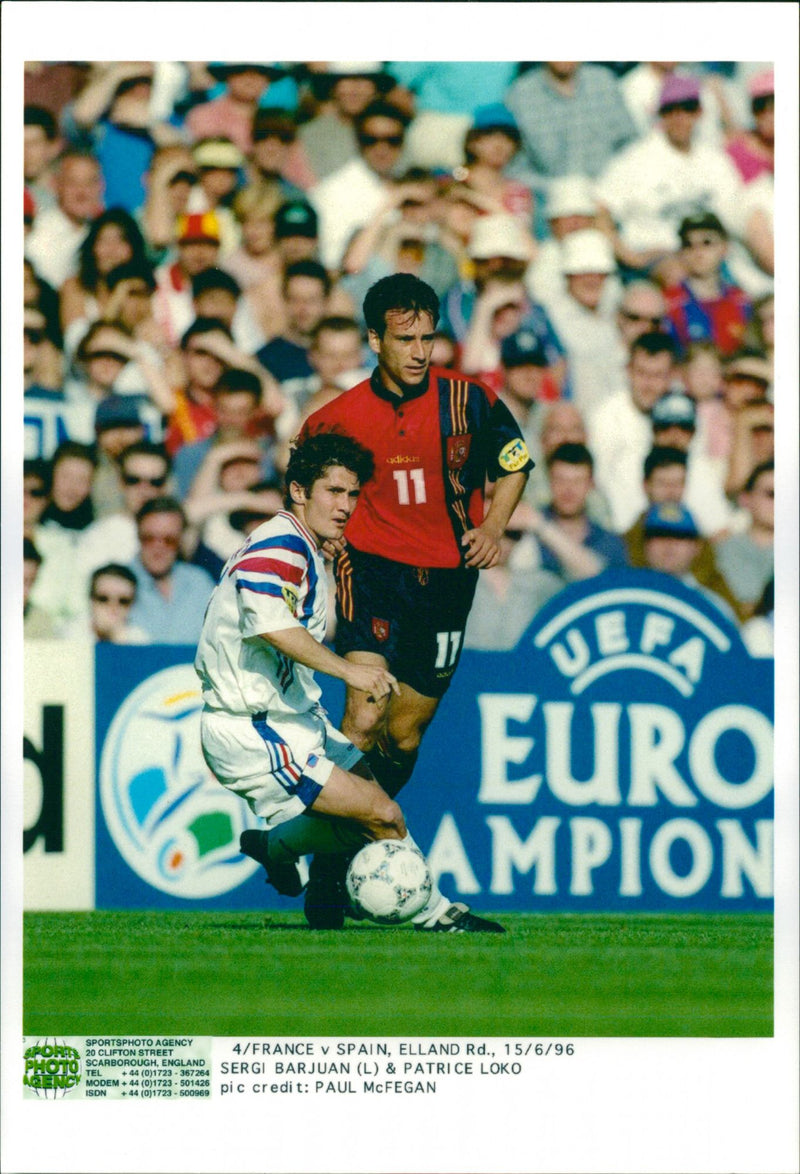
(416, 542)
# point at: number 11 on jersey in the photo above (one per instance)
(417, 479)
(447, 646)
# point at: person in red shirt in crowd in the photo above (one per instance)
(706, 306)
(416, 542)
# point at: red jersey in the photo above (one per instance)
(433, 450)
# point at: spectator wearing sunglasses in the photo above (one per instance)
(706, 306)
(112, 593)
(172, 594)
(143, 474)
(352, 194)
(664, 177)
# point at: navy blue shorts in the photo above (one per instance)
(413, 616)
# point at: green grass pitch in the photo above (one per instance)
(257, 974)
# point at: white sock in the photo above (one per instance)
(437, 904)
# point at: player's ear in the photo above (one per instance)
(297, 493)
(374, 340)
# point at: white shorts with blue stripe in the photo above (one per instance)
(278, 766)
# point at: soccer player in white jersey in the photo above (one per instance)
(264, 733)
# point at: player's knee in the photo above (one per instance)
(363, 717)
(405, 736)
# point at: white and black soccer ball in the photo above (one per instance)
(389, 881)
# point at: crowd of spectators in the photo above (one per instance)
(199, 237)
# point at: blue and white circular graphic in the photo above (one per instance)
(173, 823)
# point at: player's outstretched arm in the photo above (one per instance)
(300, 645)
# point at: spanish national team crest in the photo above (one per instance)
(380, 629)
(457, 451)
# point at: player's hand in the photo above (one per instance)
(373, 679)
(332, 548)
(483, 548)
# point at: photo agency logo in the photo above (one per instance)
(52, 1068)
(170, 819)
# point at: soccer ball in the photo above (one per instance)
(388, 881)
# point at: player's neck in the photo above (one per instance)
(299, 514)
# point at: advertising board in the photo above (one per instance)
(619, 758)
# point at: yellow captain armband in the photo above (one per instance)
(514, 456)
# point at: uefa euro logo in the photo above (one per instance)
(171, 821)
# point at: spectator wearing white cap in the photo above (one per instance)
(584, 324)
(659, 180)
(481, 312)
(343, 89)
(570, 207)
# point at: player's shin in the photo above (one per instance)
(306, 834)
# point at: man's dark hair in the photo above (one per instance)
(215, 279)
(379, 108)
(655, 342)
(307, 269)
(38, 467)
(137, 269)
(236, 379)
(39, 116)
(29, 551)
(73, 448)
(145, 448)
(204, 326)
(161, 505)
(661, 456)
(118, 569)
(312, 457)
(571, 454)
(398, 291)
(759, 471)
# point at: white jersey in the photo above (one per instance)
(274, 582)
